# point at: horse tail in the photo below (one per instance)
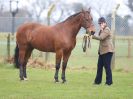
(16, 57)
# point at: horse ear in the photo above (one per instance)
(89, 10)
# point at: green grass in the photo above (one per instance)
(79, 86)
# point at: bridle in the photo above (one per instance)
(87, 37)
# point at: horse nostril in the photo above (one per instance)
(92, 32)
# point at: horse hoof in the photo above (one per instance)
(21, 79)
(56, 81)
(64, 81)
(25, 79)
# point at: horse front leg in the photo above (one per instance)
(66, 56)
(24, 71)
(57, 64)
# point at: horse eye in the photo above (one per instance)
(87, 19)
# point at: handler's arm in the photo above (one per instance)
(103, 35)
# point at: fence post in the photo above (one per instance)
(129, 48)
(48, 22)
(8, 46)
(113, 31)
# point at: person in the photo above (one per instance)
(106, 50)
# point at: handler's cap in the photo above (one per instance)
(101, 20)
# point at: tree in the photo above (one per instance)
(1, 7)
(77, 7)
(130, 5)
(100, 7)
(37, 7)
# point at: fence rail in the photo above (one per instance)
(124, 46)
(129, 40)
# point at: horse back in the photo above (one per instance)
(43, 38)
(24, 30)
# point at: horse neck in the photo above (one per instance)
(73, 25)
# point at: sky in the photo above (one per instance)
(122, 11)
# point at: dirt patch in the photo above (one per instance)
(39, 63)
(35, 63)
(125, 70)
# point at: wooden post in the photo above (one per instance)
(8, 47)
(129, 48)
(113, 31)
(48, 22)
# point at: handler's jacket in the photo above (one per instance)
(106, 43)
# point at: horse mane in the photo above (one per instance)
(70, 17)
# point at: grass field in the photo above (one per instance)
(80, 74)
(79, 86)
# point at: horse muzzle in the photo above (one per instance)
(92, 32)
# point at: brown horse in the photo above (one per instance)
(59, 38)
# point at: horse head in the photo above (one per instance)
(87, 21)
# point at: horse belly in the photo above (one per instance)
(46, 48)
(44, 45)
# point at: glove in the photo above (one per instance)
(92, 32)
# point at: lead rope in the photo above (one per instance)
(86, 41)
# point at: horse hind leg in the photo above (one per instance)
(21, 62)
(27, 56)
(66, 56)
(58, 61)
